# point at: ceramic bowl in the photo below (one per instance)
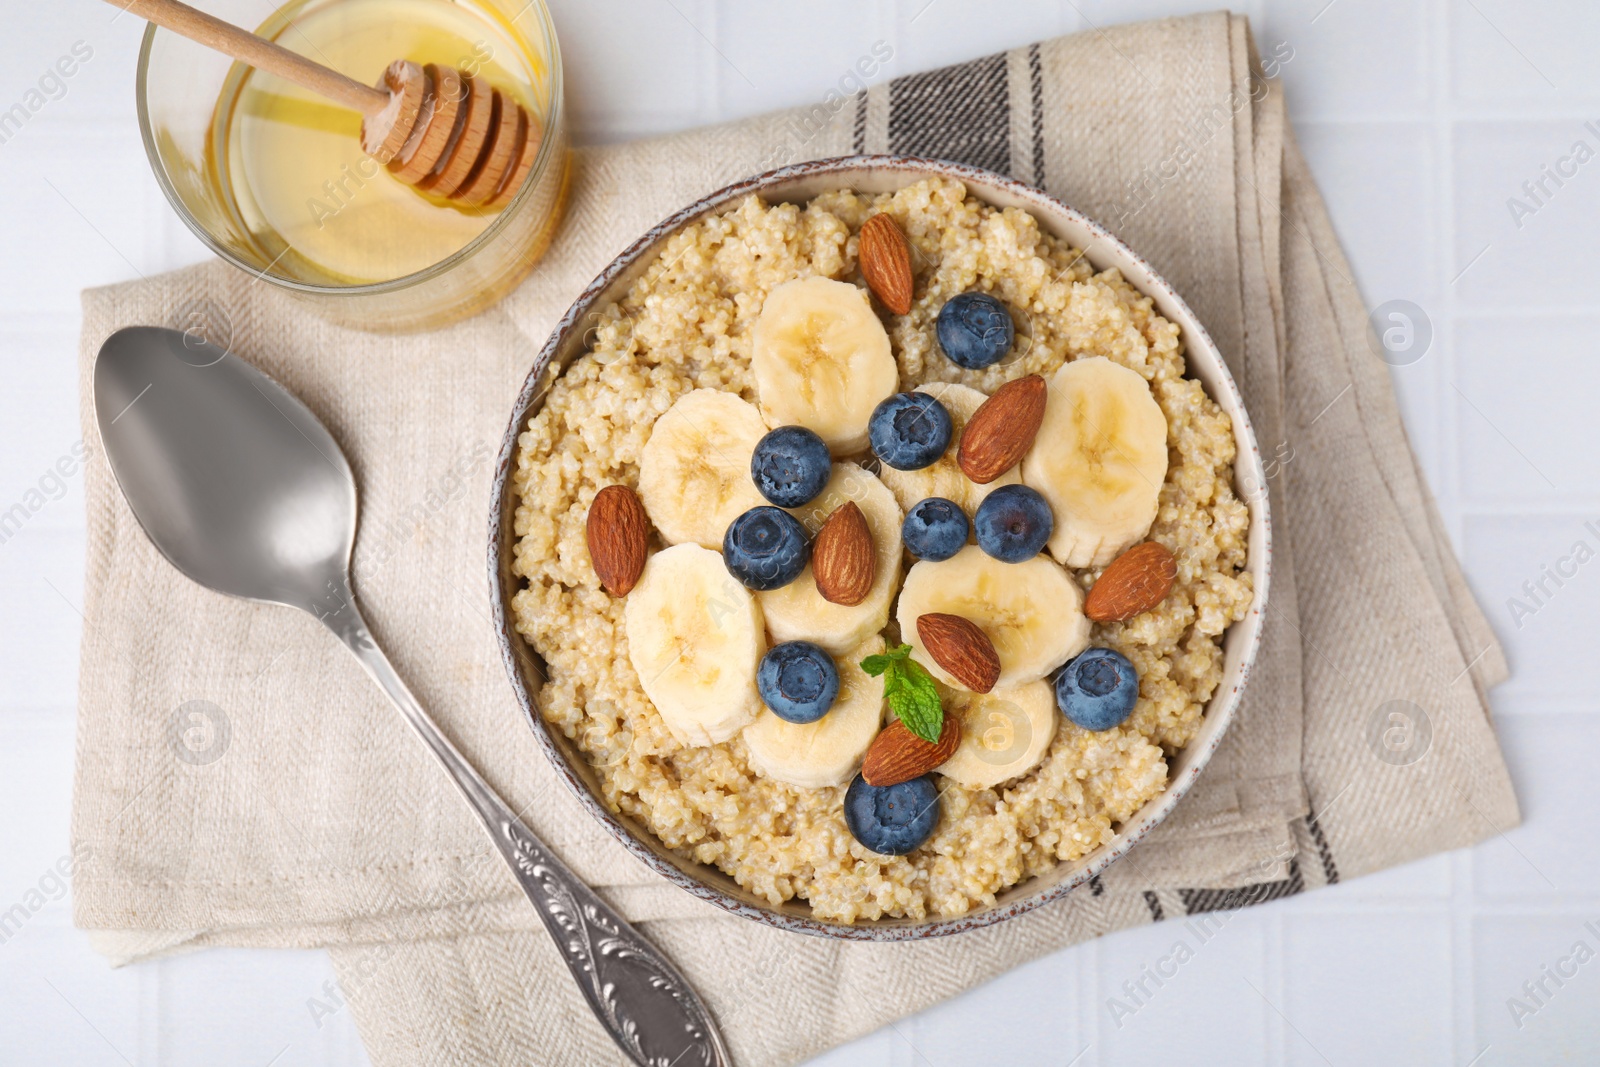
(875, 174)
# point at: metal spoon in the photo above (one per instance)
(244, 491)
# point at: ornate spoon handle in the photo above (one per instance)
(640, 998)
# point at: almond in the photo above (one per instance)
(957, 645)
(843, 560)
(897, 755)
(1136, 581)
(618, 533)
(1002, 430)
(886, 262)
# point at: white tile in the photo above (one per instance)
(1100, 13)
(63, 1004)
(877, 1049)
(1526, 430)
(35, 851)
(1547, 629)
(41, 578)
(247, 1006)
(610, 83)
(1007, 1021)
(935, 33)
(171, 243)
(829, 50)
(1378, 182)
(1551, 758)
(96, 81)
(41, 484)
(1420, 880)
(1348, 58)
(76, 212)
(1205, 1001)
(1508, 259)
(1369, 989)
(1502, 51)
(39, 408)
(1521, 1022)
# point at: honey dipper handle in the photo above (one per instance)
(258, 52)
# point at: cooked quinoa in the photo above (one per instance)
(686, 324)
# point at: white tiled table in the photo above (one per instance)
(1420, 118)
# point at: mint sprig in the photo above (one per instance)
(909, 689)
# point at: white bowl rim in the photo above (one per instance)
(1219, 711)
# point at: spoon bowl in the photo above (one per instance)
(234, 479)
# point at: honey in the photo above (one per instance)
(288, 165)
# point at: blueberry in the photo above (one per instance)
(790, 466)
(975, 330)
(1098, 689)
(798, 681)
(1013, 523)
(909, 430)
(891, 820)
(765, 548)
(935, 528)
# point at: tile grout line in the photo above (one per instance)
(1276, 976)
(1435, 59)
(1448, 430)
(1463, 905)
(711, 84)
(1089, 1016)
(1578, 506)
(1461, 1017)
(1463, 1008)
(1426, 114)
(149, 998)
(1531, 314)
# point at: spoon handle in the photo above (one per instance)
(640, 998)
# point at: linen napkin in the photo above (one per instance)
(239, 781)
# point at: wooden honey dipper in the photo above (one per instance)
(448, 133)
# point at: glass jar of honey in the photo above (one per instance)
(274, 180)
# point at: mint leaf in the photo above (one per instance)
(920, 710)
(918, 675)
(910, 691)
(876, 665)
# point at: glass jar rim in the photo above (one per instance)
(545, 158)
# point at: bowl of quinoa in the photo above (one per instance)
(675, 313)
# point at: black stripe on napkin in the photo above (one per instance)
(1036, 86)
(1329, 869)
(1201, 900)
(957, 113)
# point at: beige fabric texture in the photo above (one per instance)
(321, 822)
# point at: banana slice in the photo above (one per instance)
(1099, 459)
(695, 639)
(694, 472)
(827, 752)
(944, 477)
(1004, 733)
(1032, 611)
(797, 612)
(821, 360)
